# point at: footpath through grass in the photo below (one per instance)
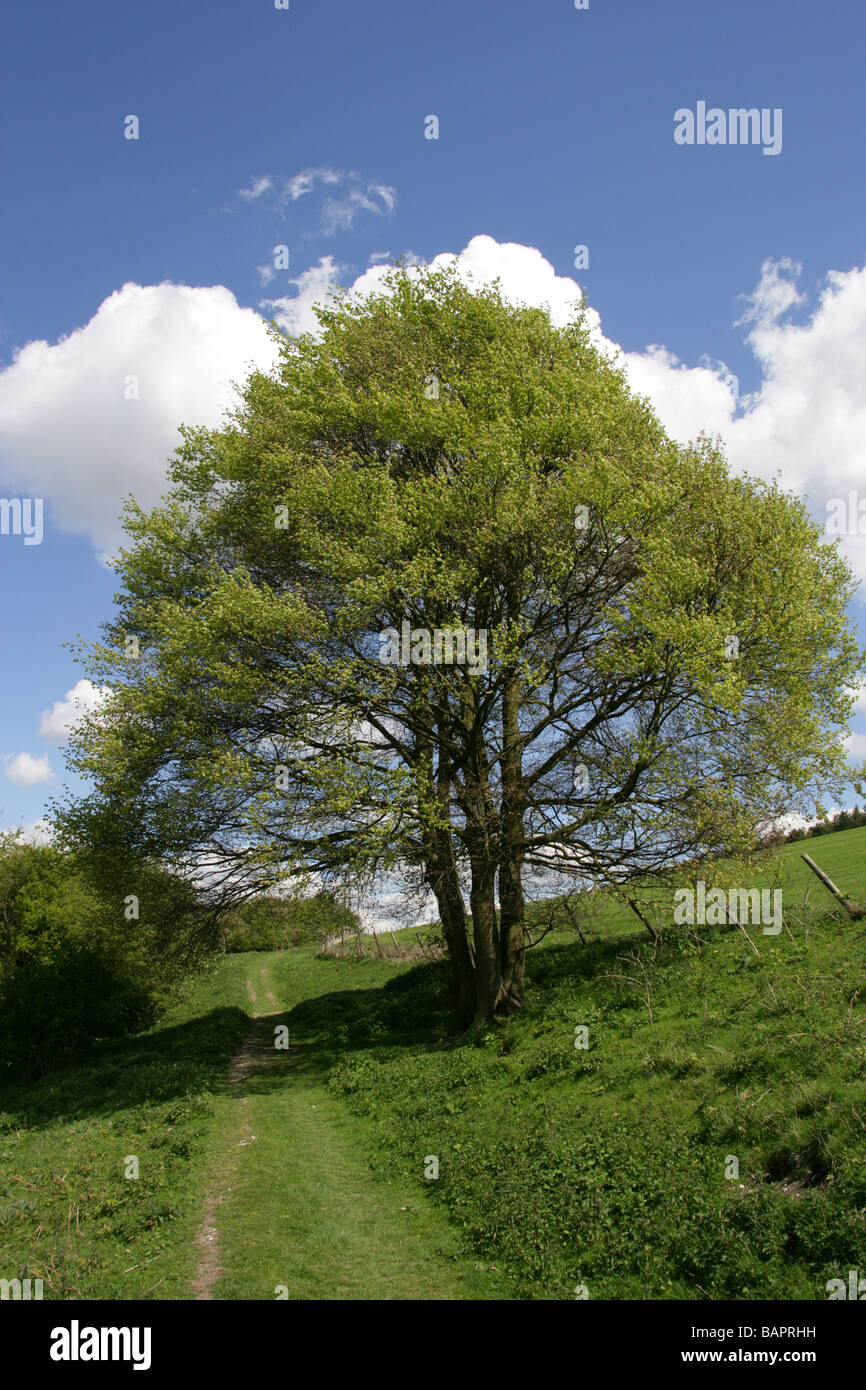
(300, 1212)
(298, 1206)
(707, 1142)
(68, 1213)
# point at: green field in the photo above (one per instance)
(301, 1172)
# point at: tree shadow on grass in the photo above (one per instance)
(410, 1011)
(146, 1068)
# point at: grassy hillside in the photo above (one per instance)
(308, 1209)
(68, 1214)
(559, 1166)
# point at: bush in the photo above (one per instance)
(53, 1011)
(73, 969)
(275, 924)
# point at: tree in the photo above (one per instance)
(22, 866)
(270, 923)
(72, 967)
(649, 658)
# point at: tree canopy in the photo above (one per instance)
(648, 656)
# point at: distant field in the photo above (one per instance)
(842, 855)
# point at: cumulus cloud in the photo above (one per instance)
(775, 293)
(295, 313)
(88, 419)
(855, 747)
(525, 276)
(686, 399)
(808, 419)
(67, 431)
(37, 832)
(32, 832)
(56, 723)
(26, 771)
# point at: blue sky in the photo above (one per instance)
(306, 128)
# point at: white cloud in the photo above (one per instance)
(775, 293)
(306, 180)
(35, 832)
(338, 214)
(525, 276)
(67, 431)
(686, 399)
(256, 189)
(808, 419)
(294, 313)
(56, 724)
(26, 771)
(855, 747)
(387, 194)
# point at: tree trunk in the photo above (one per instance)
(482, 847)
(512, 810)
(512, 943)
(488, 975)
(442, 878)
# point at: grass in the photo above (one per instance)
(68, 1215)
(614, 1165)
(610, 1166)
(308, 1211)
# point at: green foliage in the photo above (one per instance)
(73, 967)
(53, 1010)
(606, 1166)
(274, 924)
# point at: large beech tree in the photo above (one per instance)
(667, 656)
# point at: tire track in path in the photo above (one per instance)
(254, 1052)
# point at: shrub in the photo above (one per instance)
(268, 923)
(53, 1011)
(73, 969)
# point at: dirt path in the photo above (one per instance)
(293, 1207)
(255, 1052)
